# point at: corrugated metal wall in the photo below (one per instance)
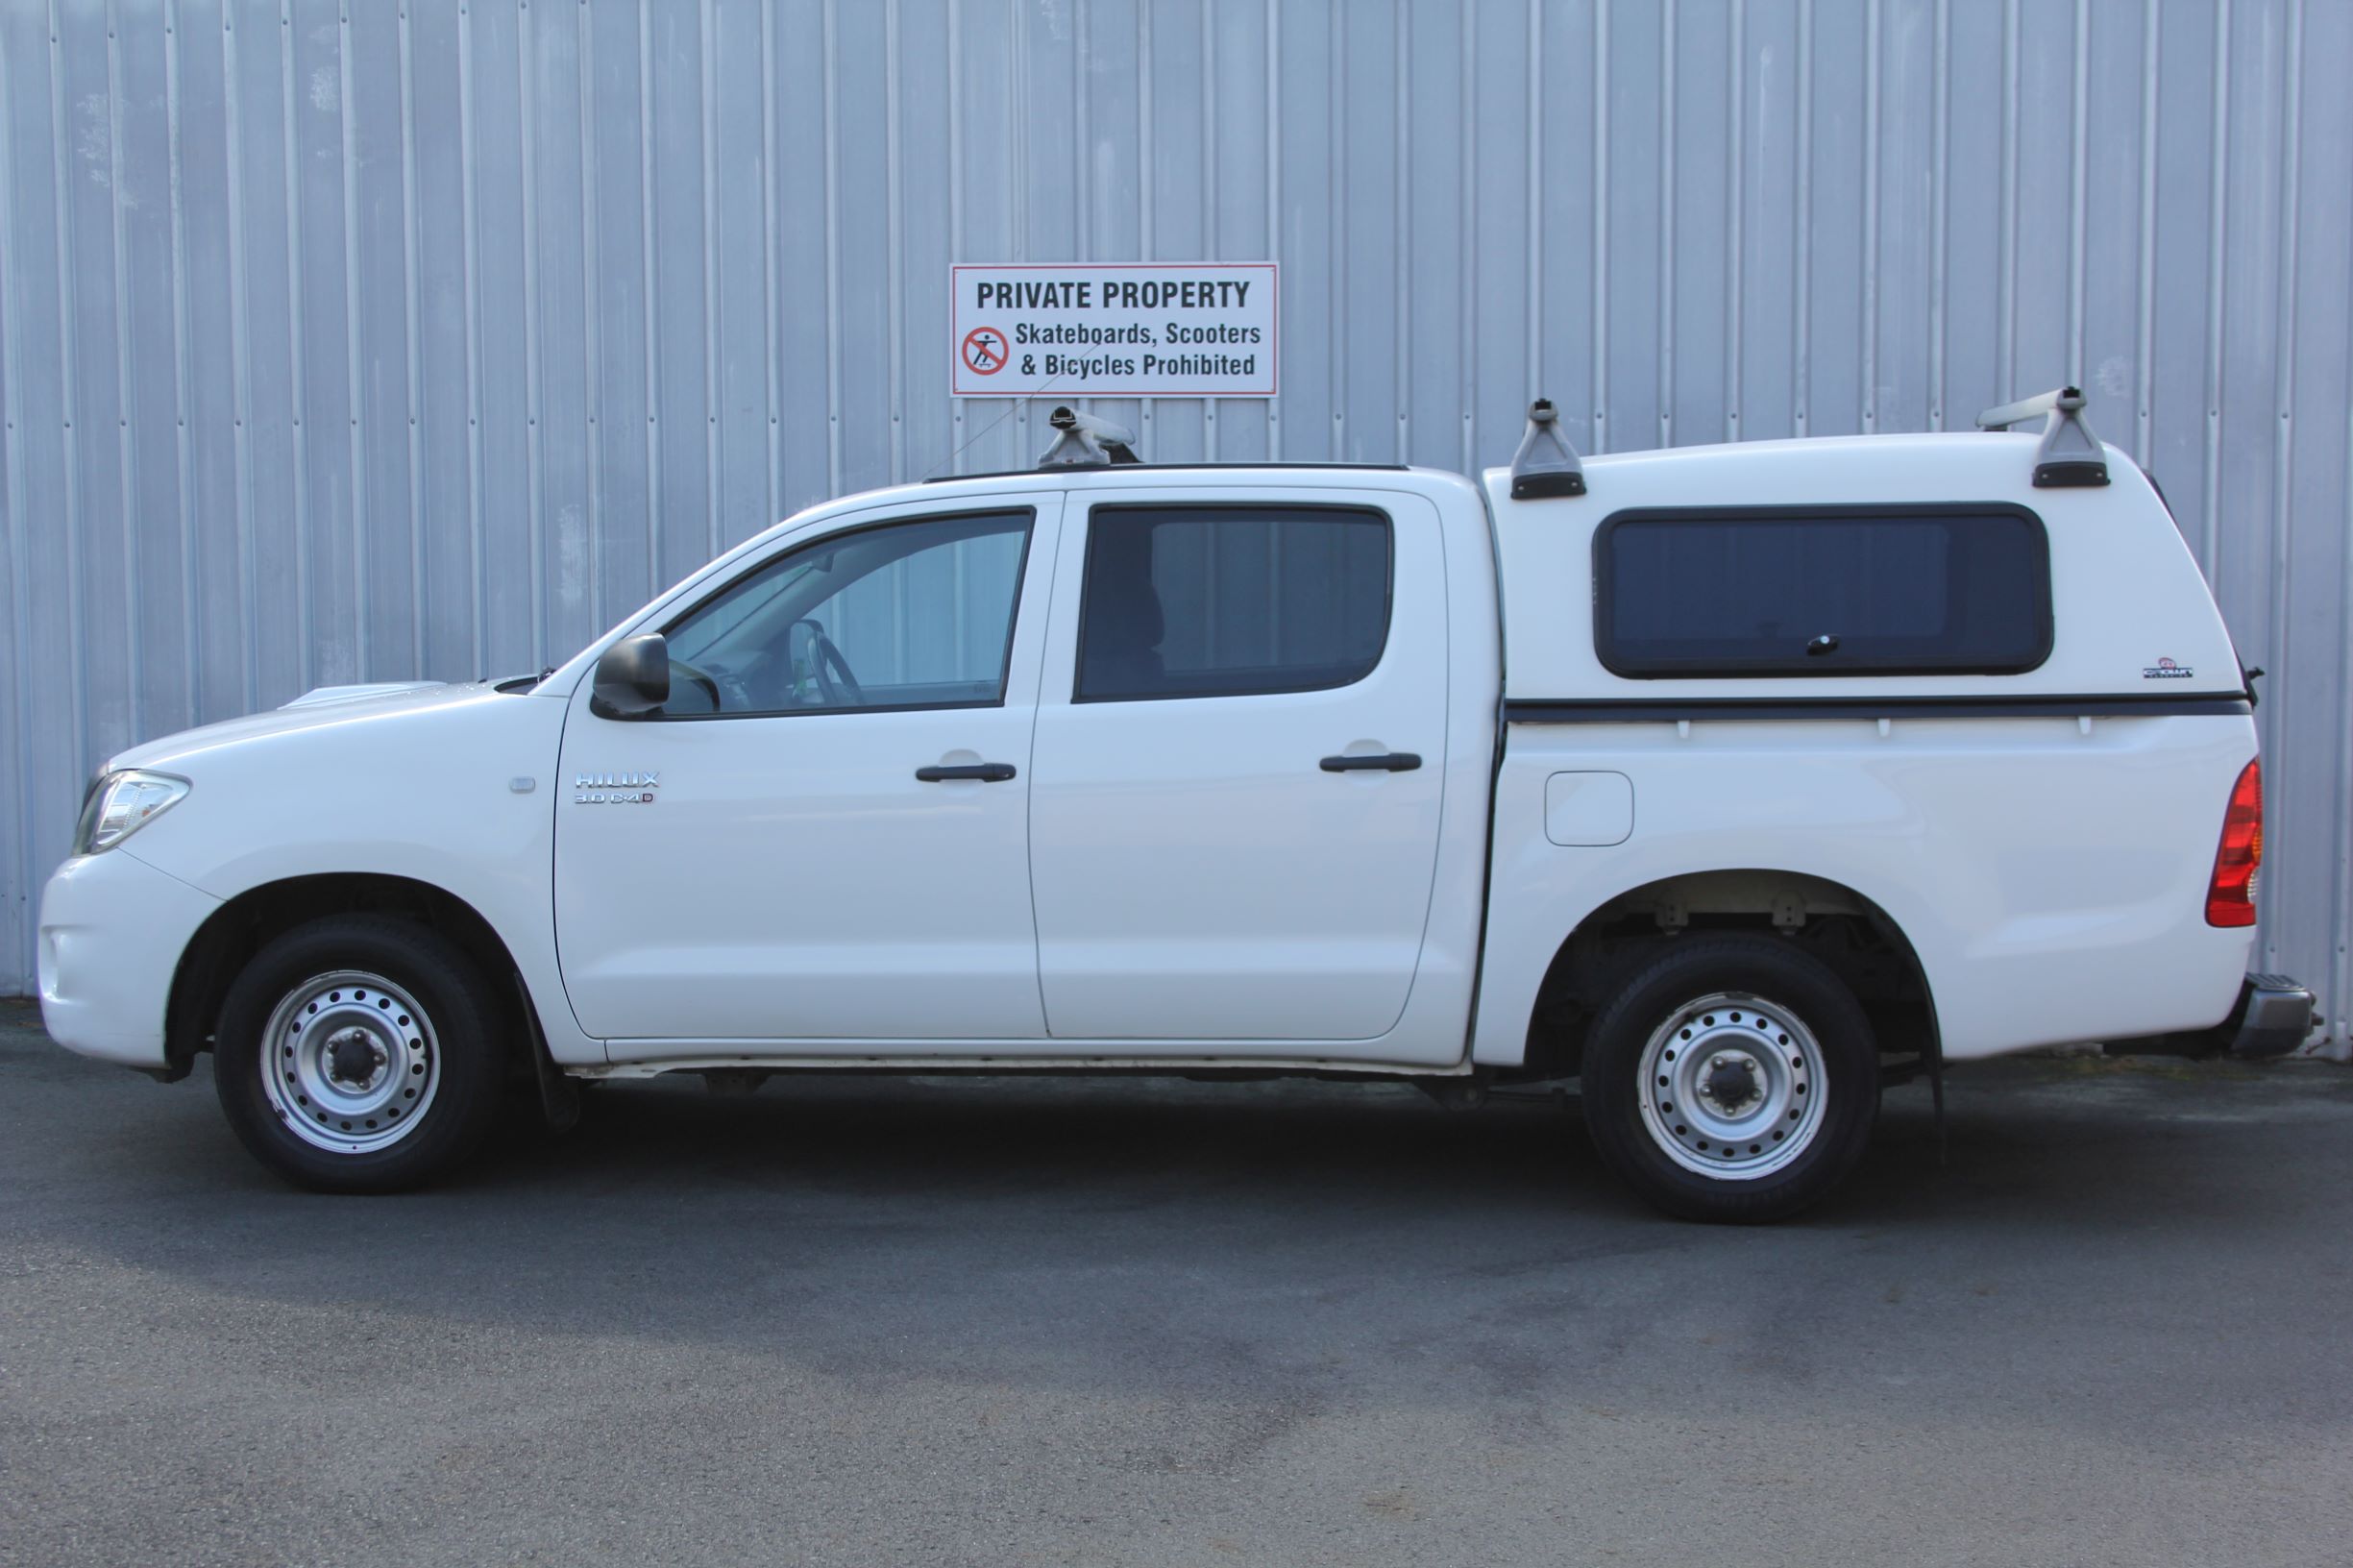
(362, 341)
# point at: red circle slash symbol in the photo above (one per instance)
(984, 351)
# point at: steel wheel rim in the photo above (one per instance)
(1733, 1087)
(349, 1063)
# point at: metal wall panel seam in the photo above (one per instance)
(1210, 445)
(2282, 443)
(355, 390)
(1082, 143)
(1468, 275)
(2005, 276)
(1873, 43)
(648, 280)
(1802, 366)
(591, 341)
(894, 230)
(1017, 164)
(184, 457)
(1336, 198)
(470, 242)
(1401, 236)
(13, 428)
(833, 263)
(125, 440)
(1664, 437)
(1940, 196)
(1534, 217)
(412, 262)
(2079, 107)
(1598, 374)
(70, 392)
(298, 390)
(771, 170)
(241, 366)
(1143, 173)
(1274, 194)
(706, 24)
(955, 201)
(2216, 222)
(2145, 342)
(2342, 990)
(527, 116)
(1736, 189)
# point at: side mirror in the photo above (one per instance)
(632, 678)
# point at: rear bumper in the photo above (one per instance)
(113, 928)
(2272, 1016)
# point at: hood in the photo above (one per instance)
(317, 694)
(326, 707)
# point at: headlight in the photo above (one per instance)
(120, 805)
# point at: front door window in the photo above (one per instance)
(913, 615)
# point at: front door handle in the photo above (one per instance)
(1383, 762)
(987, 772)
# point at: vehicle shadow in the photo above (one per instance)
(1148, 1233)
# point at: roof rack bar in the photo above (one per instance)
(1545, 465)
(1086, 441)
(2070, 455)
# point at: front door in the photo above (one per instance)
(823, 835)
(1240, 767)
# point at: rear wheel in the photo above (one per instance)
(1733, 1078)
(360, 1054)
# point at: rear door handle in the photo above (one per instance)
(987, 772)
(1383, 762)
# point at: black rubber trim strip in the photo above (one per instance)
(987, 772)
(2111, 705)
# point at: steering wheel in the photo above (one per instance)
(834, 682)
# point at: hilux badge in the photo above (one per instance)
(614, 789)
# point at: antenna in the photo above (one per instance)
(2070, 455)
(1545, 465)
(1087, 442)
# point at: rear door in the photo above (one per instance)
(1238, 768)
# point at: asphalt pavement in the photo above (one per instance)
(936, 1321)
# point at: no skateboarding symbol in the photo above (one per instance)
(984, 351)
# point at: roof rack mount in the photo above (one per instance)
(1545, 465)
(2070, 455)
(1087, 442)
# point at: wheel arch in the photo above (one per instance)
(233, 933)
(1860, 941)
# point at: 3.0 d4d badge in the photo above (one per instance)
(614, 789)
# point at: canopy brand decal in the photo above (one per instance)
(1119, 329)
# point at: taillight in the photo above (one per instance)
(2230, 897)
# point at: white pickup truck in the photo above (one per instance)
(1735, 781)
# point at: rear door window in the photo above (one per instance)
(1231, 600)
(1822, 591)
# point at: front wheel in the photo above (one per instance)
(1733, 1078)
(359, 1054)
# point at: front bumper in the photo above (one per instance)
(113, 928)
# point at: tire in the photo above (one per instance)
(1769, 1058)
(360, 1053)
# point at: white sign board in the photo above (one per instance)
(1112, 330)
